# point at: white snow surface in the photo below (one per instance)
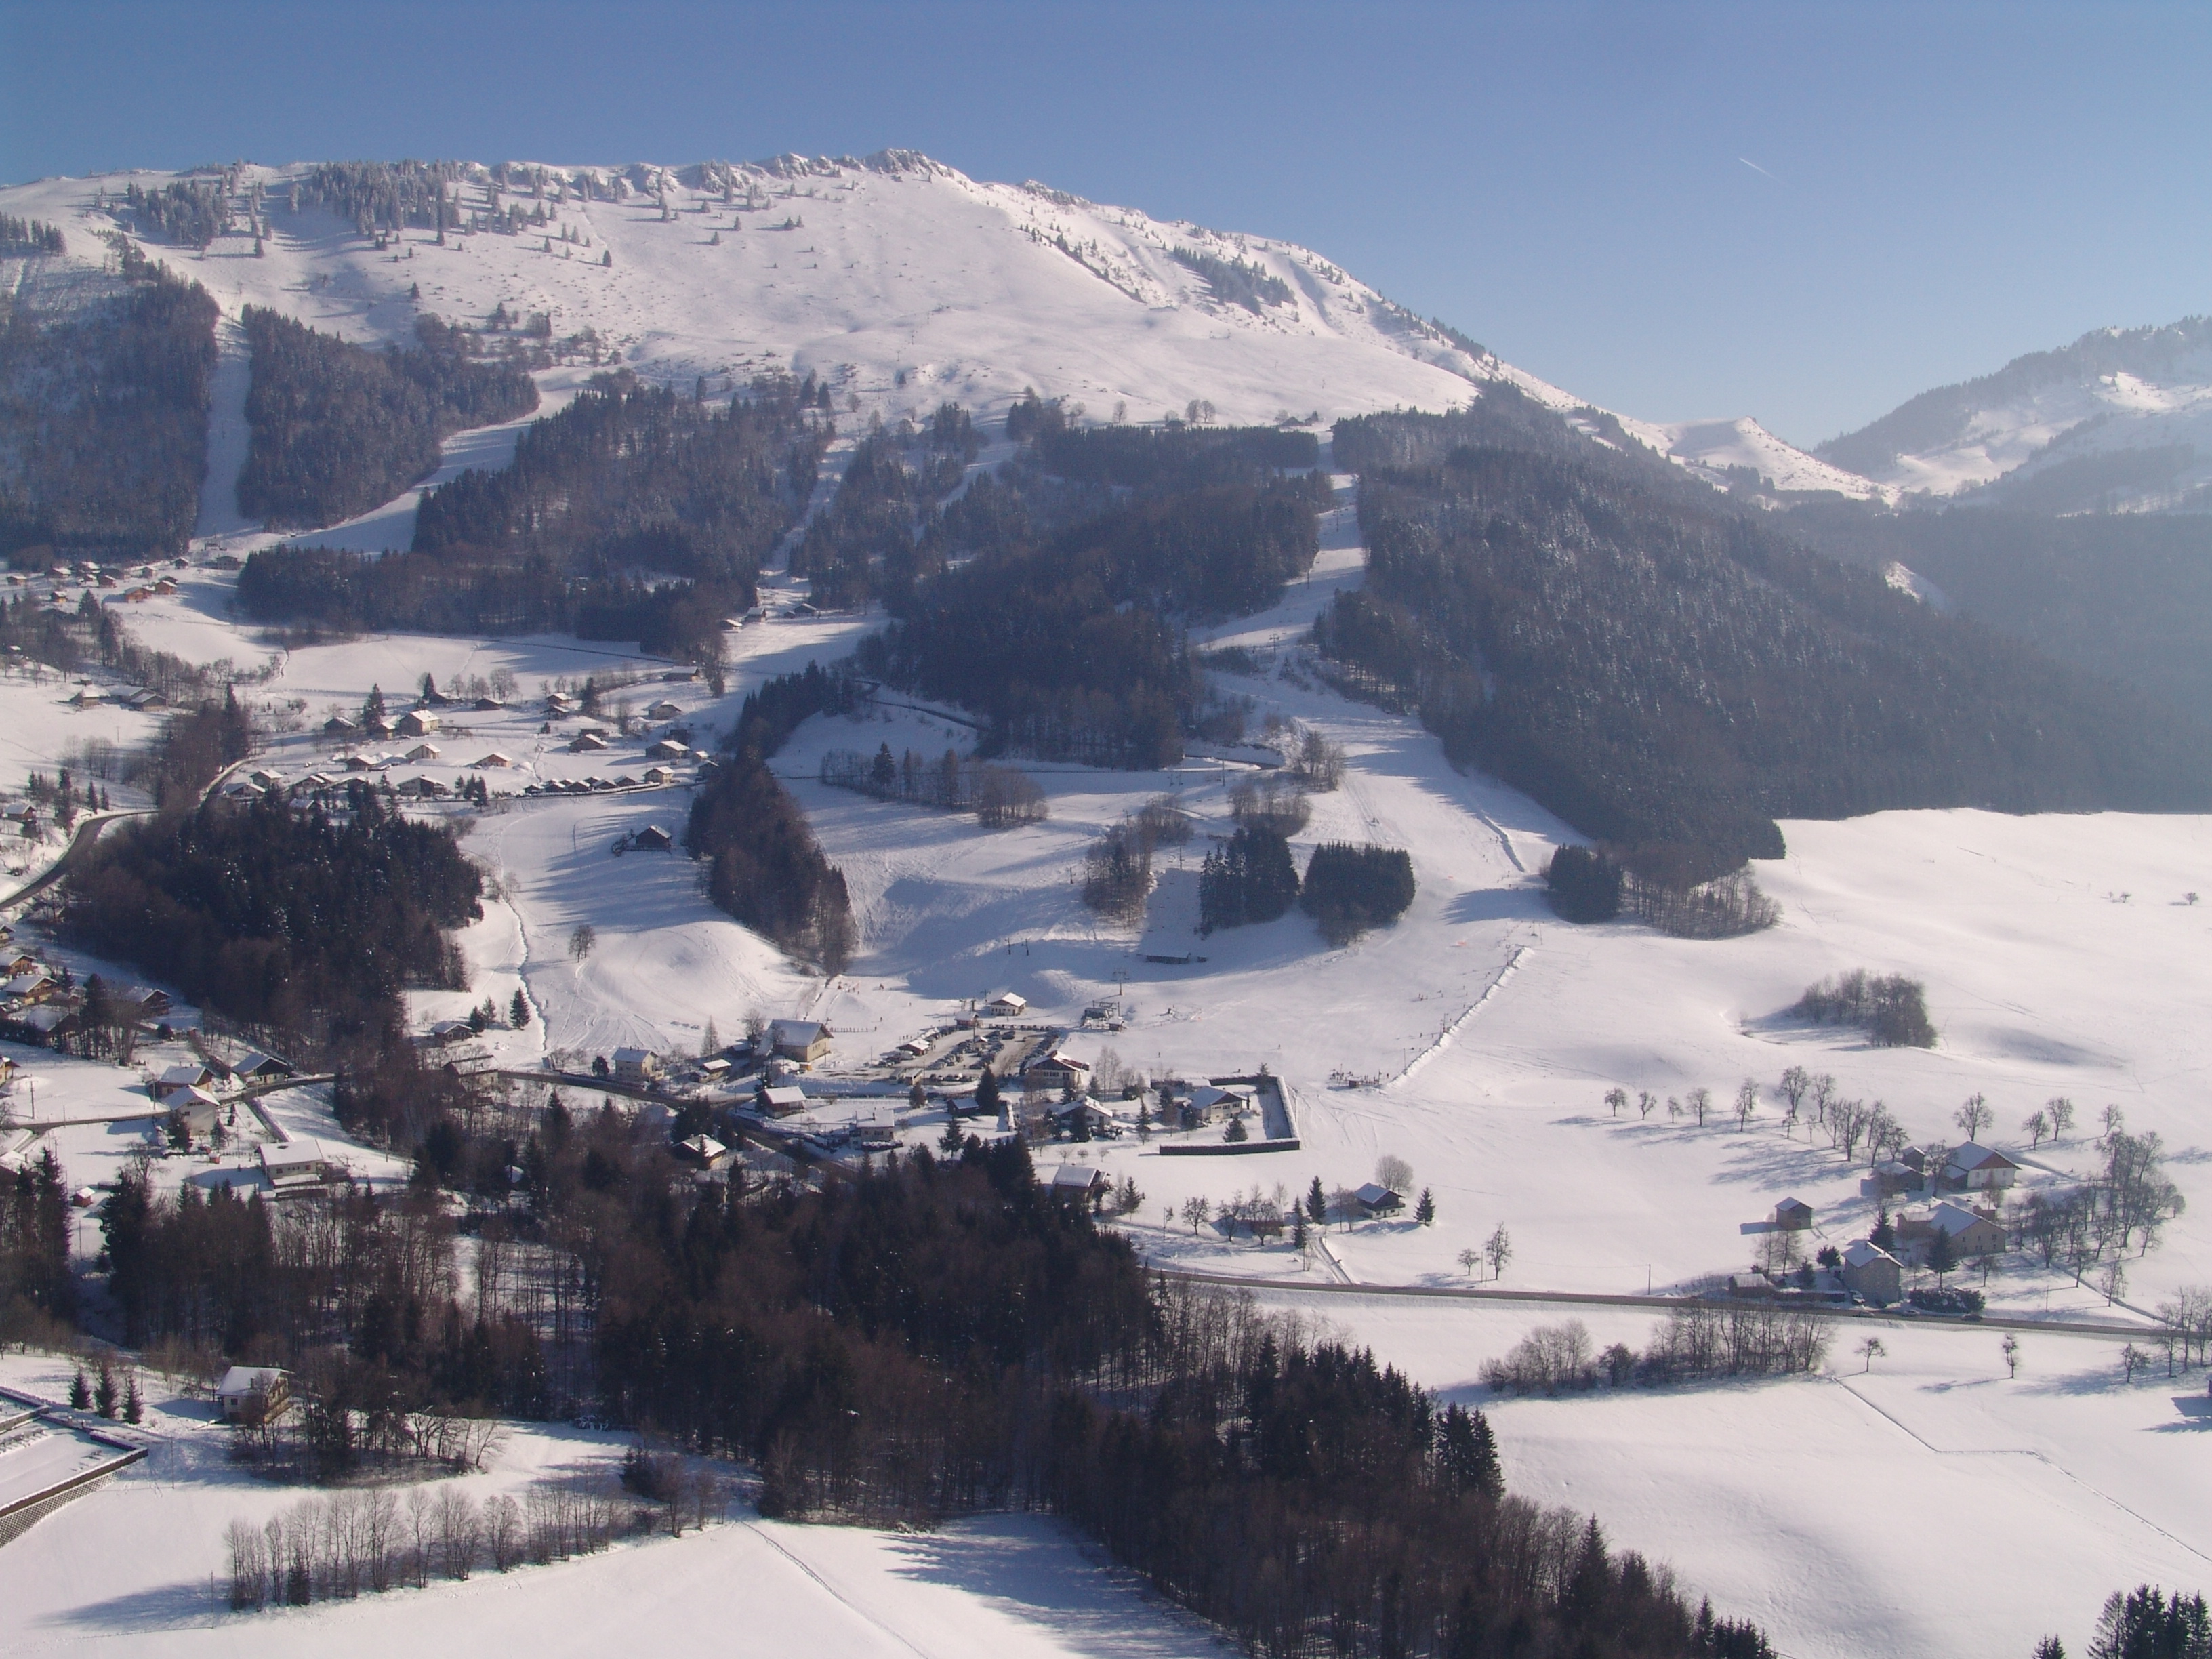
(1933, 1505)
(900, 279)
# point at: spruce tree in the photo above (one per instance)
(987, 1091)
(1425, 1211)
(518, 1010)
(80, 1396)
(1316, 1204)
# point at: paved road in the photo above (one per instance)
(87, 833)
(1455, 1293)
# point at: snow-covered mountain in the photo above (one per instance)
(2121, 418)
(899, 278)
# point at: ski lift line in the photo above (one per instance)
(1444, 1038)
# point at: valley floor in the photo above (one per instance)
(1933, 1505)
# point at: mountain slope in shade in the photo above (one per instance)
(2122, 418)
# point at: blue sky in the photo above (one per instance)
(1802, 213)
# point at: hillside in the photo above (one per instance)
(898, 279)
(2121, 417)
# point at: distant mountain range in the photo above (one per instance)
(2119, 420)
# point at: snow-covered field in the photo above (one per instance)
(1932, 1504)
(127, 1569)
(2061, 956)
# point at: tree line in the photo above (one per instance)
(1000, 796)
(634, 514)
(103, 419)
(1662, 668)
(337, 428)
(307, 922)
(1050, 597)
(22, 236)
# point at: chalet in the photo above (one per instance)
(560, 702)
(1971, 1233)
(423, 751)
(585, 743)
(145, 701)
(196, 1108)
(871, 1137)
(1374, 1199)
(491, 763)
(294, 1164)
(1006, 1004)
(1973, 1168)
(356, 762)
(667, 750)
(423, 789)
(34, 985)
(418, 723)
(268, 780)
(448, 1030)
(782, 1100)
(1077, 1181)
(1793, 1215)
(1205, 1103)
(377, 727)
(1085, 1120)
(625, 781)
(807, 1040)
(656, 776)
(662, 710)
(141, 999)
(13, 962)
(254, 1395)
(186, 1074)
(638, 1066)
(652, 839)
(262, 1068)
(1893, 1178)
(1057, 1073)
(701, 1149)
(488, 706)
(1872, 1273)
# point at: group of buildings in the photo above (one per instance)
(1960, 1219)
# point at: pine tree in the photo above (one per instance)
(1316, 1204)
(1425, 1211)
(987, 1091)
(104, 1392)
(134, 1408)
(80, 1396)
(518, 1010)
(949, 1142)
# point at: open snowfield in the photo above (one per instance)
(2060, 955)
(1932, 1504)
(126, 1569)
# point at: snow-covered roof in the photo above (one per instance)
(1971, 1156)
(240, 1381)
(1954, 1219)
(1375, 1193)
(1013, 1000)
(1075, 1178)
(781, 1031)
(632, 1056)
(1860, 1253)
(184, 1074)
(294, 1157)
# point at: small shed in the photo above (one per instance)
(652, 839)
(1793, 1215)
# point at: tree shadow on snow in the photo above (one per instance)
(1032, 1569)
(160, 1606)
